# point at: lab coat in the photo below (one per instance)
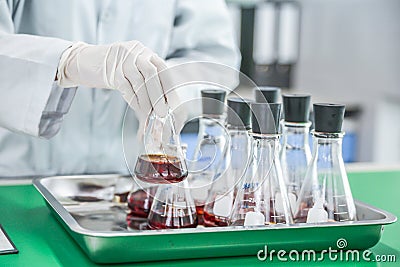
(81, 128)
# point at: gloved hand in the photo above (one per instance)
(128, 67)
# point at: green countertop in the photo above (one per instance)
(42, 241)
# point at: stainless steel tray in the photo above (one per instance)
(84, 206)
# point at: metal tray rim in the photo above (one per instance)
(75, 227)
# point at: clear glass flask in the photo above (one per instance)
(173, 207)
(222, 193)
(210, 148)
(295, 149)
(325, 195)
(262, 198)
(161, 160)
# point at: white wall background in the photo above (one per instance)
(350, 52)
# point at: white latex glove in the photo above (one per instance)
(128, 67)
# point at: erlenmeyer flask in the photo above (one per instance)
(325, 195)
(262, 199)
(223, 190)
(173, 207)
(295, 152)
(161, 160)
(210, 148)
(139, 201)
(266, 94)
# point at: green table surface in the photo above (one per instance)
(42, 241)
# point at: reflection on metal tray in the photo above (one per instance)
(86, 207)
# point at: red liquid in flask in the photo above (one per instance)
(160, 169)
(159, 221)
(135, 223)
(139, 202)
(200, 214)
(210, 220)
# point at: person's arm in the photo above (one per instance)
(30, 101)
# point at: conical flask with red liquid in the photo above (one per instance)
(222, 193)
(139, 202)
(262, 198)
(173, 207)
(161, 160)
(325, 195)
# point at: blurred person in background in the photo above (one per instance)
(60, 59)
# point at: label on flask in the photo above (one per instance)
(223, 205)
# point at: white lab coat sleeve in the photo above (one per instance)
(203, 31)
(29, 102)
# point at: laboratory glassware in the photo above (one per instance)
(265, 94)
(262, 198)
(326, 195)
(161, 160)
(222, 193)
(140, 199)
(139, 202)
(173, 207)
(295, 152)
(210, 148)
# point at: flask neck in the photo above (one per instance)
(328, 147)
(264, 156)
(296, 135)
(160, 134)
(211, 125)
(235, 131)
(265, 147)
(239, 147)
